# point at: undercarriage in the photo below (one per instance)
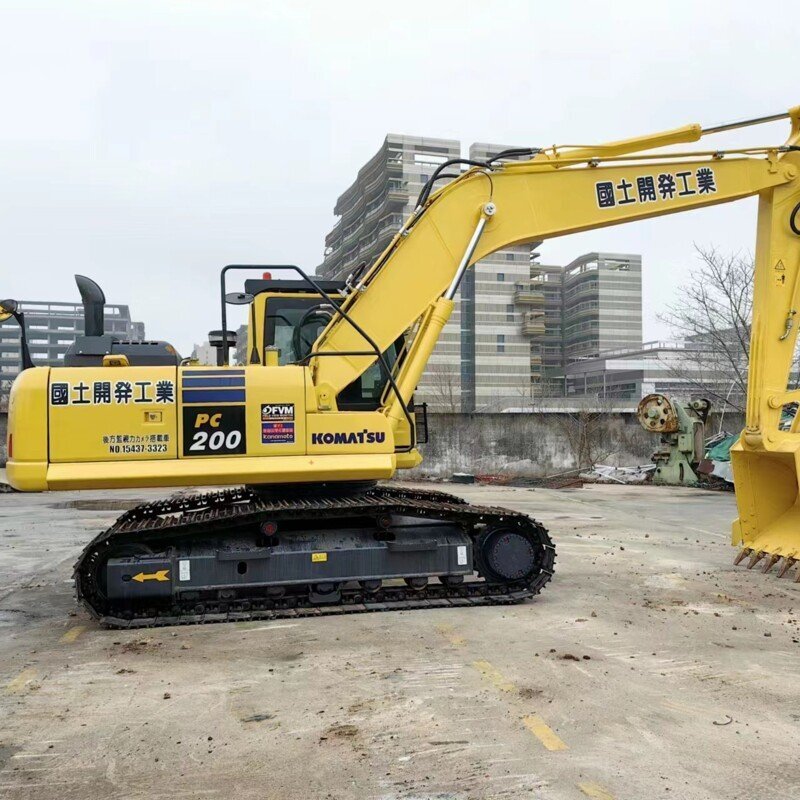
(256, 553)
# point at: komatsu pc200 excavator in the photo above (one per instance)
(323, 409)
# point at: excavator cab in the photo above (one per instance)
(286, 318)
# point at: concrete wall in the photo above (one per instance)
(536, 445)
(3, 426)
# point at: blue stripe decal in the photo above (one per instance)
(190, 373)
(212, 396)
(192, 382)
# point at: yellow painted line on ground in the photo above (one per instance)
(544, 733)
(73, 633)
(595, 791)
(494, 676)
(18, 684)
(534, 723)
(456, 639)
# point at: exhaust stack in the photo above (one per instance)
(93, 304)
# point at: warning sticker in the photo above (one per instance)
(277, 433)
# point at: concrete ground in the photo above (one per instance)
(649, 668)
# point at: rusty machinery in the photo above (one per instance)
(681, 427)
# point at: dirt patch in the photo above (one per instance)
(340, 731)
(6, 751)
(264, 715)
(137, 646)
(290, 656)
(361, 705)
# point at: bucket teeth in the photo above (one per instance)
(788, 563)
(773, 560)
(756, 556)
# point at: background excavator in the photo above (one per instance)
(323, 409)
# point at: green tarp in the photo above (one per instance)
(722, 450)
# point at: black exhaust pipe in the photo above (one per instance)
(93, 306)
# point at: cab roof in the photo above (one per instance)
(256, 286)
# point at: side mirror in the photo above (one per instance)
(239, 298)
(7, 309)
(10, 308)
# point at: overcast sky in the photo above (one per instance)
(147, 144)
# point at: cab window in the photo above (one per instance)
(294, 324)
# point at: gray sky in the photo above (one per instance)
(147, 144)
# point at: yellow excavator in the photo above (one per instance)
(323, 409)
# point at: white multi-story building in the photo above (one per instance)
(483, 354)
(674, 368)
(516, 323)
(52, 327)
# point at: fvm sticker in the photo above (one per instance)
(277, 412)
(214, 430)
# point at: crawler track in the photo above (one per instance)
(221, 513)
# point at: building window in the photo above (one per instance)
(509, 256)
(510, 312)
(501, 343)
(501, 276)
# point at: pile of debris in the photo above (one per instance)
(605, 473)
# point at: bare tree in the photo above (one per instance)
(586, 430)
(528, 396)
(443, 383)
(712, 316)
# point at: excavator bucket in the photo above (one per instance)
(768, 527)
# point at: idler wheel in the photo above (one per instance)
(508, 554)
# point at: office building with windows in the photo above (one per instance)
(370, 212)
(685, 369)
(52, 327)
(602, 305)
(517, 323)
(484, 354)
